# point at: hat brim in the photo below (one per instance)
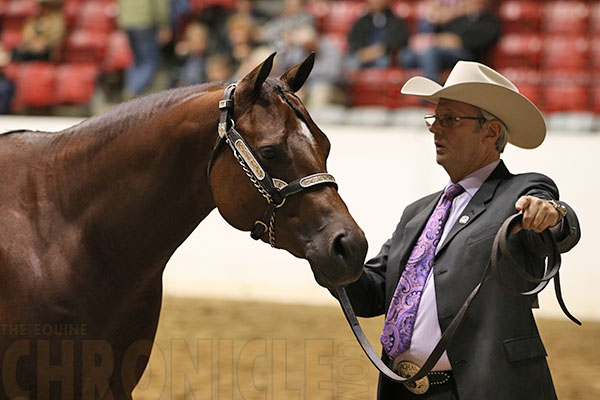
(524, 123)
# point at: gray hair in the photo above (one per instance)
(503, 138)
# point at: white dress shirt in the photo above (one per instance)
(427, 330)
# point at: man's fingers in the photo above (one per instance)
(522, 203)
(538, 214)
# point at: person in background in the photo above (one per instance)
(280, 33)
(192, 53)
(323, 86)
(147, 25)
(43, 34)
(241, 38)
(443, 243)
(463, 30)
(218, 68)
(7, 87)
(376, 37)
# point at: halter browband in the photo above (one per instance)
(274, 190)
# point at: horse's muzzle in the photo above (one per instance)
(342, 263)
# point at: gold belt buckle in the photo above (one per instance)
(406, 369)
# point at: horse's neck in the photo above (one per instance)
(140, 189)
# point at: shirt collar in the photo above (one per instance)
(472, 182)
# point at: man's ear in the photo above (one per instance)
(493, 130)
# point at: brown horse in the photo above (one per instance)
(91, 215)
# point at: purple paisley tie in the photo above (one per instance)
(400, 318)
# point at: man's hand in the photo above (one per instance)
(538, 214)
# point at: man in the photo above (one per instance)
(468, 34)
(376, 36)
(441, 246)
(146, 23)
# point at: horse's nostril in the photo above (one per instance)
(339, 247)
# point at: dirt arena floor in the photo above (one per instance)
(217, 349)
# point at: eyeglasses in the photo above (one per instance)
(447, 122)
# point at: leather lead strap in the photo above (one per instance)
(499, 248)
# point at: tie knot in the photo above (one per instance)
(453, 190)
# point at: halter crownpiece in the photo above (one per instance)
(274, 190)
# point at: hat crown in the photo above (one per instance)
(474, 72)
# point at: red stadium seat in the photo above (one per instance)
(595, 19)
(342, 15)
(520, 16)
(381, 87)
(97, 15)
(196, 6)
(16, 12)
(595, 53)
(595, 98)
(118, 55)
(34, 85)
(566, 98)
(528, 81)
(320, 12)
(75, 83)
(10, 38)
(368, 87)
(565, 17)
(85, 46)
(518, 50)
(566, 53)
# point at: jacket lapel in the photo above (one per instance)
(477, 205)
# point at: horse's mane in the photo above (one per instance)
(135, 111)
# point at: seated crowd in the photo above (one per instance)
(221, 41)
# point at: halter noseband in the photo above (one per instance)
(274, 190)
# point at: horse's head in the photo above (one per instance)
(313, 222)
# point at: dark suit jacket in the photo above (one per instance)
(497, 352)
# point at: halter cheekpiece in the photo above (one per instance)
(274, 190)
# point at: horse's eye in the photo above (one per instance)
(268, 152)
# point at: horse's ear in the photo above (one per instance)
(297, 75)
(251, 83)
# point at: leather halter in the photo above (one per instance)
(274, 190)
(542, 245)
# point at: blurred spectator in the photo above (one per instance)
(146, 23)
(215, 18)
(376, 36)
(440, 12)
(7, 87)
(218, 68)
(192, 52)
(178, 16)
(241, 38)
(43, 34)
(472, 32)
(249, 9)
(323, 86)
(280, 33)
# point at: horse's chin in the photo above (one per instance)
(334, 281)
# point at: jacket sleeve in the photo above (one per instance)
(477, 33)
(397, 34)
(357, 34)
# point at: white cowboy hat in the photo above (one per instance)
(476, 84)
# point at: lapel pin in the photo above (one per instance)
(463, 220)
